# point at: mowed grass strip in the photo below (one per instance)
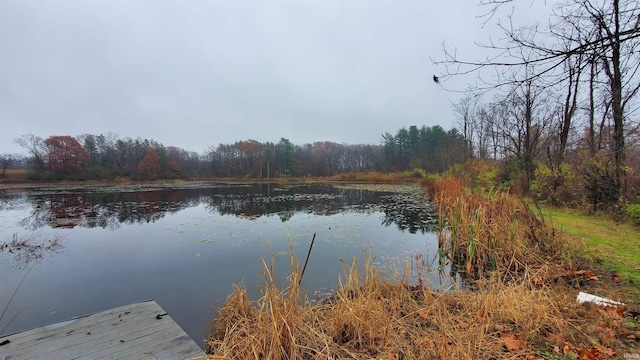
(614, 246)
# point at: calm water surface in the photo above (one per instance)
(185, 248)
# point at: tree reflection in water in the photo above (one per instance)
(410, 212)
(406, 210)
(174, 256)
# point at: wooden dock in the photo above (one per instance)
(137, 331)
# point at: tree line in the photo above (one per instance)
(429, 148)
(89, 156)
(103, 157)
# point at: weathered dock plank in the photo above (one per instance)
(136, 331)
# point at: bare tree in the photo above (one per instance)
(465, 110)
(36, 148)
(483, 125)
(5, 162)
(580, 35)
(616, 65)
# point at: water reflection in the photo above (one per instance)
(195, 243)
(406, 210)
(409, 212)
(21, 251)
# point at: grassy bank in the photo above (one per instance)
(609, 244)
(524, 279)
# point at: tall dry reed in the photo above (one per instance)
(482, 233)
(369, 317)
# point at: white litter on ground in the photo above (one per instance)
(584, 297)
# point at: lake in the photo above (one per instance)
(74, 250)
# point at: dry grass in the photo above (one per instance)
(519, 309)
(494, 233)
(14, 175)
(369, 317)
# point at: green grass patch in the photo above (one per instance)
(614, 246)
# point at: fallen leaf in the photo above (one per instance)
(605, 350)
(588, 274)
(612, 312)
(559, 339)
(423, 314)
(567, 349)
(595, 354)
(605, 332)
(512, 342)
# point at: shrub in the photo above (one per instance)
(557, 186)
(478, 174)
(633, 211)
(415, 173)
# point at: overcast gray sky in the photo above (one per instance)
(194, 74)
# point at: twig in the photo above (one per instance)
(307, 260)
(11, 299)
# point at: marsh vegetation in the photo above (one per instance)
(518, 298)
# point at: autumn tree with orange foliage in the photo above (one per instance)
(150, 164)
(251, 157)
(65, 153)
